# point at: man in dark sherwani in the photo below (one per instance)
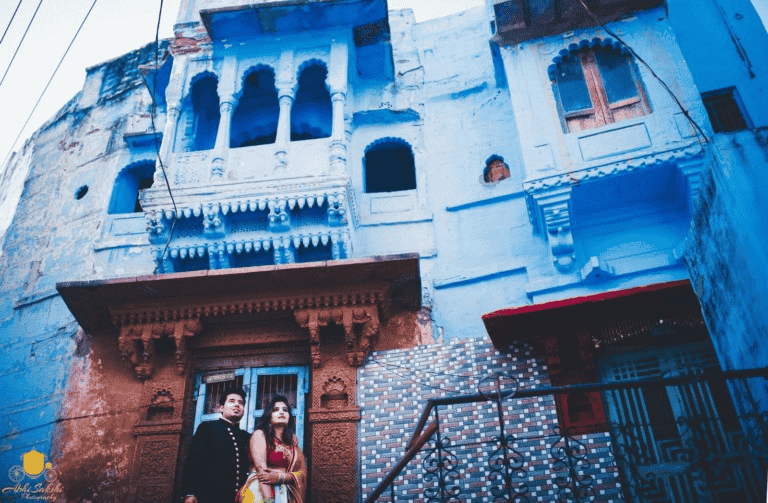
(217, 463)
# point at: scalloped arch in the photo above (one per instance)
(600, 43)
(136, 164)
(197, 78)
(388, 140)
(251, 69)
(312, 62)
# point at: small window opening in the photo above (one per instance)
(495, 170)
(311, 114)
(311, 253)
(81, 192)
(254, 120)
(206, 114)
(128, 186)
(389, 167)
(189, 264)
(252, 258)
(725, 110)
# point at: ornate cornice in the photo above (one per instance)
(259, 241)
(133, 315)
(244, 196)
(611, 169)
(334, 416)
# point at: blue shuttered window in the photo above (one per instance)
(261, 384)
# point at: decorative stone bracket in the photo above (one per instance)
(555, 215)
(361, 326)
(137, 343)
(549, 199)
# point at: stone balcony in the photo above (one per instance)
(257, 211)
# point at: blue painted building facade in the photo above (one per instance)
(524, 162)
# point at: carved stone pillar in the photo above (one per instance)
(221, 148)
(158, 431)
(283, 137)
(158, 435)
(172, 118)
(338, 147)
(334, 415)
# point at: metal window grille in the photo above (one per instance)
(268, 386)
(214, 390)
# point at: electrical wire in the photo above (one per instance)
(49, 82)
(11, 21)
(20, 41)
(699, 130)
(154, 134)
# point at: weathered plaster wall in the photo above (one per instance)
(56, 237)
(726, 253)
(94, 449)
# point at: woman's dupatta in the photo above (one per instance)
(284, 493)
(298, 472)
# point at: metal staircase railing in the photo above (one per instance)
(570, 467)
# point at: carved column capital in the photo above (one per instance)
(226, 105)
(360, 323)
(307, 318)
(137, 343)
(286, 94)
(172, 110)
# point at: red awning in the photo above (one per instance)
(525, 322)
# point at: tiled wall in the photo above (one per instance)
(395, 385)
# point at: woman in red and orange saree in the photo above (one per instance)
(278, 472)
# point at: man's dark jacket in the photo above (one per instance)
(217, 463)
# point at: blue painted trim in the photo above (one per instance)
(35, 298)
(486, 201)
(477, 276)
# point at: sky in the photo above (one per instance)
(113, 28)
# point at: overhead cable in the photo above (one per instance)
(11, 21)
(49, 82)
(154, 134)
(20, 41)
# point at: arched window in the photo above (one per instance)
(254, 120)
(311, 113)
(129, 182)
(389, 166)
(597, 84)
(206, 114)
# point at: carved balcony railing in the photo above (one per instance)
(706, 451)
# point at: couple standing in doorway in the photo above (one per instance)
(225, 464)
